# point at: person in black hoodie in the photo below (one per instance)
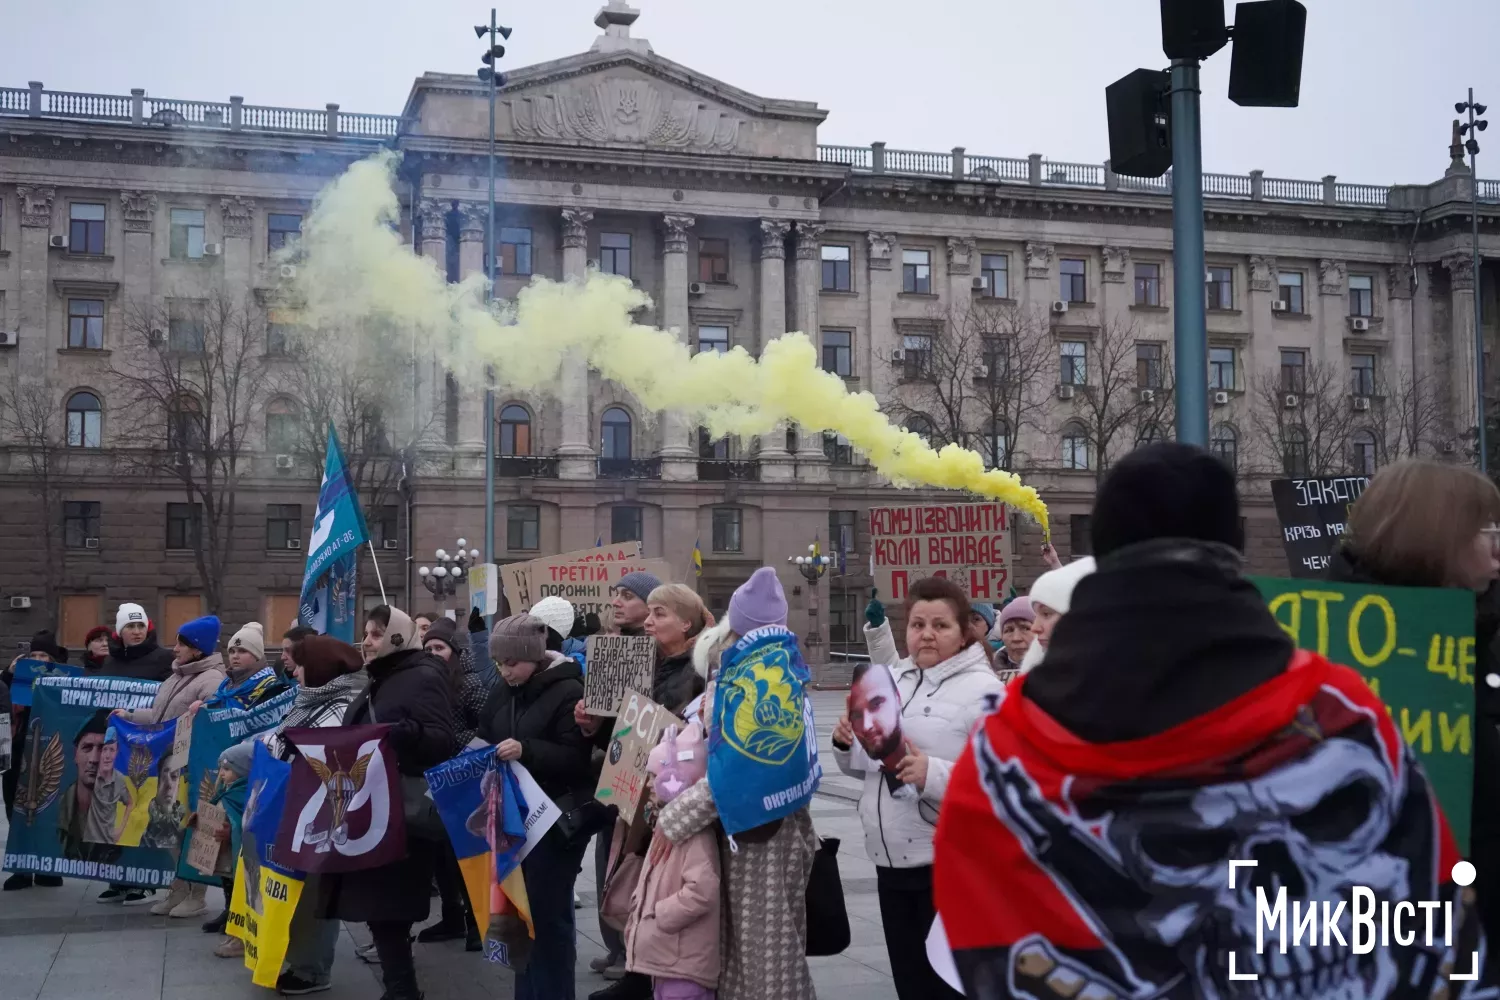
(529, 718)
(1428, 524)
(134, 652)
(409, 691)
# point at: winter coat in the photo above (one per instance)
(939, 707)
(539, 715)
(674, 912)
(149, 661)
(409, 691)
(315, 708)
(763, 925)
(881, 644)
(190, 682)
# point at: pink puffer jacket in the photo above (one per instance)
(674, 920)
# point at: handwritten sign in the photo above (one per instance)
(968, 543)
(520, 583)
(618, 664)
(1314, 515)
(622, 783)
(206, 852)
(484, 588)
(1415, 646)
(583, 577)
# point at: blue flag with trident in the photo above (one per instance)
(328, 584)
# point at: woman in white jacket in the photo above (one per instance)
(944, 687)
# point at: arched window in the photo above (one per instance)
(994, 445)
(282, 430)
(515, 432)
(921, 426)
(615, 434)
(1294, 452)
(1363, 453)
(837, 449)
(184, 424)
(1225, 444)
(1075, 447)
(84, 413)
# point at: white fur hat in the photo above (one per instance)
(1055, 587)
(556, 613)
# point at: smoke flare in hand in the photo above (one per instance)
(354, 269)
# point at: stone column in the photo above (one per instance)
(473, 219)
(139, 211)
(679, 459)
(1040, 288)
(1332, 309)
(776, 463)
(1115, 276)
(434, 216)
(36, 341)
(239, 227)
(577, 451)
(812, 465)
(1460, 267)
(883, 285)
(1261, 353)
(1397, 323)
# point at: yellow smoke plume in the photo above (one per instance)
(354, 268)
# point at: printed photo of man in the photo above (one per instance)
(875, 714)
(78, 798)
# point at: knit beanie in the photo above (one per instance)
(1017, 610)
(324, 658)
(638, 583)
(1055, 587)
(131, 614)
(556, 613)
(97, 632)
(443, 629)
(760, 601)
(201, 633)
(400, 633)
(519, 639)
(984, 610)
(45, 642)
(251, 638)
(1166, 490)
(238, 757)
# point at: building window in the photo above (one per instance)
(1074, 362)
(614, 253)
(86, 323)
(710, 450)
(615, 435)
(81, 523)
(1148, 284)
(1221, 374)
(1363, 456)
(515, 251)
(994, 268)
(916, 354)
(1294, 371)
(916, 271)
(727, 529)
(1081, 535)
(837, 276)
(921, 426)
(1148, 366)
(282, 429)
(1361, 295)
(184, 524)
(282, 230)
(994, 446)
(625, 525)
(844, 619)
(86, 229)
(523, 527)
(283, 525)
(1075, 447)
(1362, 372)
(187, 234)
(185, 334)
(999, 353)
(515, 432)
(1220, 288)
(713, 261)
(383, 523)
(83, 420)
(842, 534)
(1075, 283)
(1294, 453)
(1289, 285)
(184, 425)
(838, 352)
(837, 449)
(1225, 444)
(713, 339)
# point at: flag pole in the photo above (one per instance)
(375, 561)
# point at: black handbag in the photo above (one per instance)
(827, 918)
(580, 820)
(417, 807)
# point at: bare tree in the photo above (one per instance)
(936, 380)
(1013, 389)
(1110, 404)
(1403, 416)
(37, 431)
(1305, 419)
(192, 382)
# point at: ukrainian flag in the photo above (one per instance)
(697, 557)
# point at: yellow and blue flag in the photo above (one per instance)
(697, 557)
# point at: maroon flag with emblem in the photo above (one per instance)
(343, 801)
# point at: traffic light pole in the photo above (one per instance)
(1190, 339)
(489, 388)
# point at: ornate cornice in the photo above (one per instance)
(1038, 259)
(239, 217)
(1331, 275)
(960, 254)
(1116, 263)
(473, 220)
(1262, 273)
(139, 208)
(675, 229)
(1398, 280)
(882, 246)
(36, 206)
(809, 240)
(1460, 267)
(575, 234)
(773, 238)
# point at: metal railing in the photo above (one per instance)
(718, 470)
(629, 468)
(526, 467)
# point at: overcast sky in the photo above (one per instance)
(1000, 77)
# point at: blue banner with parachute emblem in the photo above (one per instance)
(328, 582)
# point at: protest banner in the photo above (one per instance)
(134, 769)
(215, 729)
(583, 577)
(344, 805)
(4, 739)
(1415, 647)
(484, 588)
(968, 543)
(265, 892)
(28, 670)
(617, 664)
(623, 781)
(55, 791)
(1314, 515)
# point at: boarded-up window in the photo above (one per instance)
(278, 613)
(78, 613)
(176, 611)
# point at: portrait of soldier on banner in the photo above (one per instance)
(875, 715)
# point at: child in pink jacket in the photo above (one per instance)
(673, 933)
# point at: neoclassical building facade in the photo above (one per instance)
(1019, 305)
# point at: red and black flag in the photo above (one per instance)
(343, 803)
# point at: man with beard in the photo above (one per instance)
(875, 716)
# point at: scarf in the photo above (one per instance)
(247, 692)
(313, 702)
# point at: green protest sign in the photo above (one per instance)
(1415, 647)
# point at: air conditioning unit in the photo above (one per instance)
(1148, 395)
(980, 283)
(1361, 403)
(981, 373)
(57, 242)
(389, 543)
(20, 603)
(295, 544)
(156, 338)
(1065, 391)
(1060, 306)
(1291, 401)
(1449, 448)
(1221, 399)
(9, 338)
(284, 462)
(1359, 324)
(898, 357)
(213, 249)
(91, 543)
(288, 271)
(1278, 306)
(697, 288)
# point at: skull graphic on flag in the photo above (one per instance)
(343, 804)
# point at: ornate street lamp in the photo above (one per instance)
(442, 581)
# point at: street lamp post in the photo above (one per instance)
(1472, 128)
(442, 580)
(813, 567)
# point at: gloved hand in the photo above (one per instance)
(875, 611)
(476, 620)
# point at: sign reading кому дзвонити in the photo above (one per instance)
(1415, 647)
(967, 543)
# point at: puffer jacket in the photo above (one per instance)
(190, 682)
(147, 660)
(674, 913)
(939, 709)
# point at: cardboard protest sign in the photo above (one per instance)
(1314, 515)
(344, 807)
(28, 670)
(583, 577)
(521, 583)
(1415, 647)
(207, 854)
(968, 543)
(55, 791)
(484, 588)
(617, 664)
(623, 781)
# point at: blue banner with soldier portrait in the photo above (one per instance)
(89, 781)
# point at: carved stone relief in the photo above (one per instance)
(882, 245)
(139, 209)
(960, 254)
(1262, 273)
(1331, 274)
(623, 110)
(809, 240)
(773, 238)
(36, 206)
(1038, 260)
(239, 217)
(676, 229)
(576, 228)
(1116, 263)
